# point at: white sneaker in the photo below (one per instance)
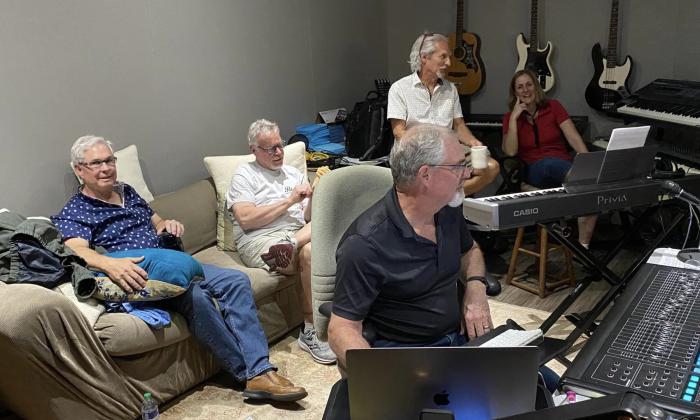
(320, 350)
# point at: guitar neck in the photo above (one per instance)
(460, 24)
(612, 39)
(533, 24)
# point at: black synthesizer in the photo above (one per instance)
(541, 206)
(675, 101)
(649, 343)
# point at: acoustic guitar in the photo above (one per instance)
(532, 57)
(466, 69)
(609, 82)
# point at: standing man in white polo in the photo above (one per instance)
(425, 96)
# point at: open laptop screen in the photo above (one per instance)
(471, 382)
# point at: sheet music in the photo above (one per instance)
(628, 137)
(667, 257)
(621, 139)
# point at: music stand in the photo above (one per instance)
(597, 171)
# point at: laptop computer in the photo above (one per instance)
(471, 382)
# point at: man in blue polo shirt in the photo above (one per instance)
(399, 263)
(109, 214)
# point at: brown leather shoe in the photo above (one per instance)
(272, 386)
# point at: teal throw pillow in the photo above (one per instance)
(169, 274)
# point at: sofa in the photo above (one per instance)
(55, 364)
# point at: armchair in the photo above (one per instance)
(338, 200)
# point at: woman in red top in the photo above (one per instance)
(536, 130)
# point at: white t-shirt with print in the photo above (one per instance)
(254, 184)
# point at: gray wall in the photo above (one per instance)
(661, 36)
(181, 79)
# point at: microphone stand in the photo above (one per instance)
(689, 256)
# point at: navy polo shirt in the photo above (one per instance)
(111, 226)
(404, 284)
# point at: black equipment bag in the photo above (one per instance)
(368, 132)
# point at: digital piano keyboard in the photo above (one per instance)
(528, 208)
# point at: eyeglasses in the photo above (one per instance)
(532, 122)
(455, 167)
(97, 164)
(271, 150)
(425, 35)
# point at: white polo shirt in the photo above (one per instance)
(409, 100)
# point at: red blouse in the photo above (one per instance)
(550, 139)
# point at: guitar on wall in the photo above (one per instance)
(466, 69)
(609, 83)
(532, 57)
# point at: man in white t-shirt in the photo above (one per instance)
(271, 206)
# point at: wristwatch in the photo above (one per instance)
(482, 279)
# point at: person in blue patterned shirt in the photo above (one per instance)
(109, 214)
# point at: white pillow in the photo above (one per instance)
(91, 308)
(129, 171)
(222, 168)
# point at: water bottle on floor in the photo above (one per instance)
(149, 409)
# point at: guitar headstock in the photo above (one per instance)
(382, 86)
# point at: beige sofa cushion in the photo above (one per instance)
(195, 207)
(123, 334)
(263, 282)
(222, 168)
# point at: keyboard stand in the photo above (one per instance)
(577, 319)
(555, 348)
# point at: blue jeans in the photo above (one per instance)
(455, 339)
(236, 340)
(548, 172)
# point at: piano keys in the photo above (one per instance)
(673, 101)
(484, 122)
(494, 122)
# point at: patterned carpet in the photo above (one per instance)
(216, 399)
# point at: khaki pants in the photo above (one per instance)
(250, 252)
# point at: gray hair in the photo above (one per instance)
(84, 143)
(259, 128)
(422, 144)
(428, 40)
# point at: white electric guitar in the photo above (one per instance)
(532, 57)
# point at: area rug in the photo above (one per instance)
(217, 398)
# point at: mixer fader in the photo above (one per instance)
(649, 342)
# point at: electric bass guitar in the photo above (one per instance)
(609, 83)
(466, 69)
(532, 57)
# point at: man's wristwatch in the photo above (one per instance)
(482, 279)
